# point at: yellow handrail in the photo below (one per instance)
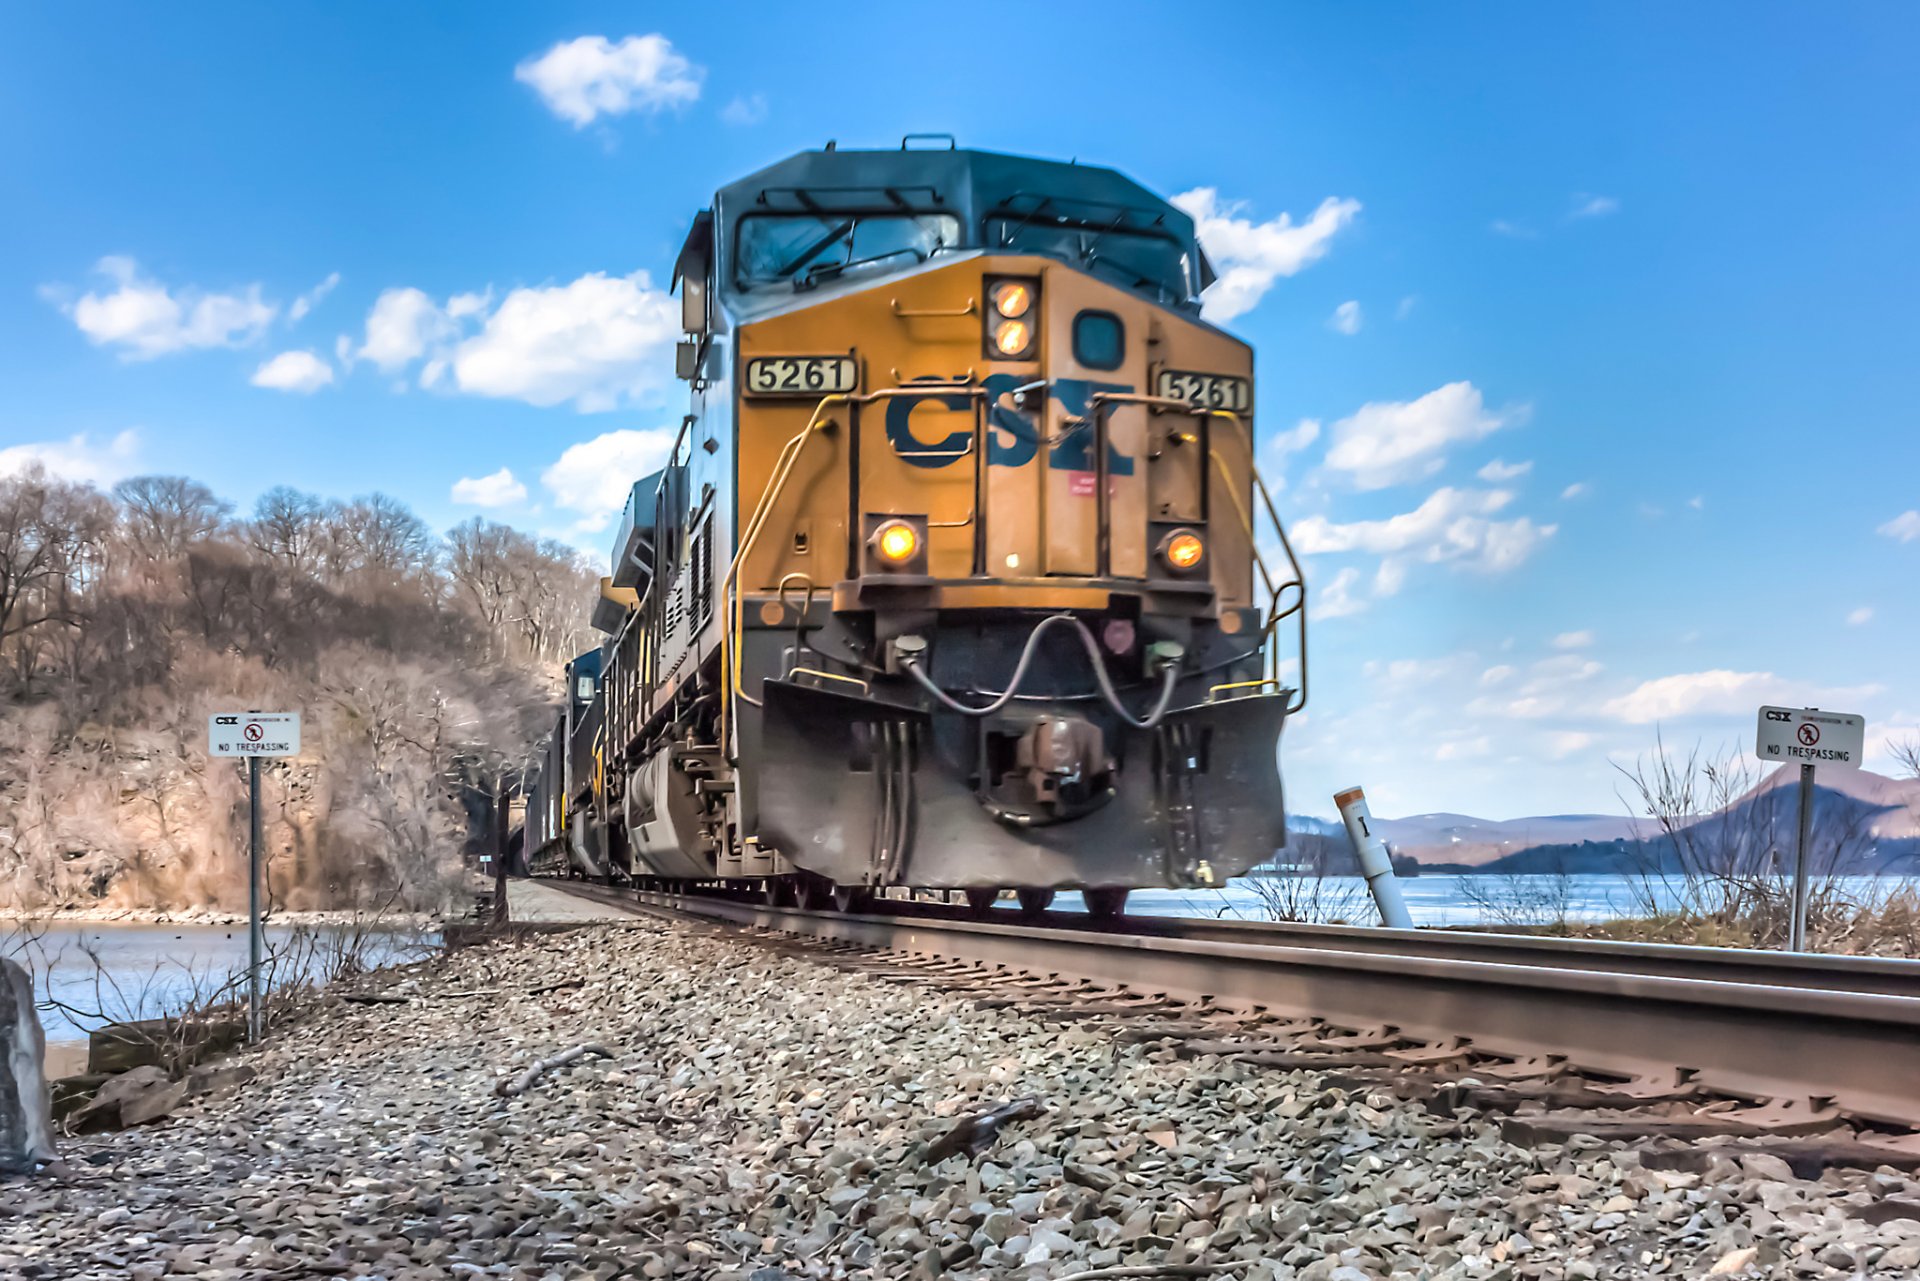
(1274, 614)
(729, 597)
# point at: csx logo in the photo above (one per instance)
(1773, 715)
(1073, 451)
(226, 720)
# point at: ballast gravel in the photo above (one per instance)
(765, 1116)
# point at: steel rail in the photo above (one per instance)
(1885, 975)
(1856, 1051)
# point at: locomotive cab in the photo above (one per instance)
(972, 591)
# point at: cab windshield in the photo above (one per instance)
(800, 250)
(1132, 259)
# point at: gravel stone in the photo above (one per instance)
(764, 1117)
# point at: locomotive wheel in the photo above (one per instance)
(1033, 901)
(812, 893)
(851, 898)
(777, 891)
(1106, 902)
(980, 900)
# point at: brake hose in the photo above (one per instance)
(1169, 677)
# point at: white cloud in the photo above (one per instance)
(1546, 691)
(1698, 502)
(308, 301)
(403, 324)
(300, 371)
(1565, 743)
(499, 489)
(748, 110)
(1452, 526)
(1499, 674)
(1337, 599)
(584, 79)
(146, 319)
(1297, 438)
(1461, 749)
(1722, 692)
(595, 476)
(1406, 306)
(1573, 640)
(1346, 318)
(1903, 528)
(1498, 471)
(77, 458)
(1575, 490)
(1501, 227)
(1250, 256)
(1588, 206)
(1860, 617)
(1387, 442)
(600, 342)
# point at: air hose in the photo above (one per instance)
(1166, 655)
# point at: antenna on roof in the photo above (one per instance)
(831, 145)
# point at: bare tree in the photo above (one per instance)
(289, 527)
(165, 515)
(50, 543)
(378, 537)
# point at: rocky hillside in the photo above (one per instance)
(422, 666)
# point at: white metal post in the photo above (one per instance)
(1797, 930)
(255, 936)
(1375, 863)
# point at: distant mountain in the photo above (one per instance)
(1463, 839)
(1869, 822)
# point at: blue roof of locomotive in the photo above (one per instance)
(971, 185)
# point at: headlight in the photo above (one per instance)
(1012, 298)
(1012, 337)
(1012, 318)
(1183, 551)
(896, 542)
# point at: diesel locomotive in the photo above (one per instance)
(960, 574)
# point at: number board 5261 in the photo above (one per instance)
(1206, 391)
(801, 375)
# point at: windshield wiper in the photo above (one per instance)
(813, 276)
(836, 234)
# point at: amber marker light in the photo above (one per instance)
(896, 542)
(1183, 550)
(1012, 337)
(1012, 299)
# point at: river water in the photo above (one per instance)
(1448, 900)
(86, 973)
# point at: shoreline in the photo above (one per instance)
(199, 916)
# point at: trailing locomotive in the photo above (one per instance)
(955, 575)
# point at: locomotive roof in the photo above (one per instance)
(960, 181)
(969, 184)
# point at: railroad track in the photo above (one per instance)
(1819, 1057)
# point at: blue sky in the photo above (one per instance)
(1586, 336)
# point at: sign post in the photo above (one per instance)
(253, 735)
(1809, 737)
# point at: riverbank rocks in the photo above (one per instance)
(26, 1108)
(763, 1114)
